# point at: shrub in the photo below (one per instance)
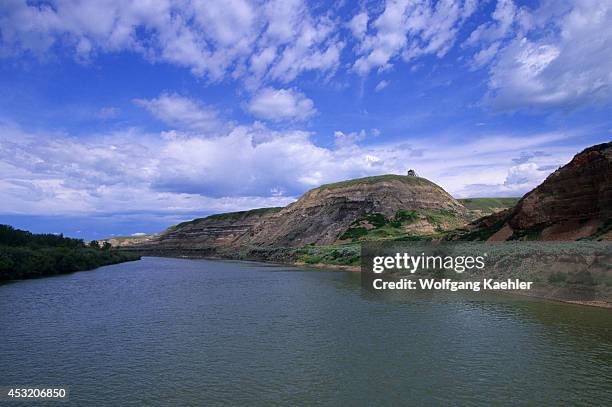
(557, 277)
(404, 215)
(354, 233)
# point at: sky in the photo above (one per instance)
(121, 118)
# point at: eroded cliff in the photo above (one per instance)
(324, 214)
(344, 211)
(574, 202)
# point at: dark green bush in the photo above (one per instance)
(27, 255)
(354, 233)
(557, 277)
(404, 215)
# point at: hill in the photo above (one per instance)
(573, 203)
(118, 241)
(479, 207)
(386, 206)
(381, 206)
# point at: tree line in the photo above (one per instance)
(28, 255)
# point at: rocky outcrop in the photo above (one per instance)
(126, 241)
(574, 202)
(320, 216)
(226, 229)
(323, 214)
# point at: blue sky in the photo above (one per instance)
(126, 117)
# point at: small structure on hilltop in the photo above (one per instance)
(412, 173)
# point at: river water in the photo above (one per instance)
(177, 332)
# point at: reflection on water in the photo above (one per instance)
(185, 332)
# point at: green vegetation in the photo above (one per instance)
(583, 264)
(241, 214)
(347, 254)
(480, 207)
(374, 226)
(339, 255)
(354, 233)
(227, 216)
(484, 233)
(557, 277)
(406, 216)
(380, 178)
(533, 233)
(485, 204)
(27, 255)
(375, 219)
(439, 217)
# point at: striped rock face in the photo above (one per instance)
(321, 215)
(574, 202)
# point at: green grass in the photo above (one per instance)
(227, 215)
(234, 215)
(557, 277)
(375, 219)
(407, 216)
(489, 203)
(410, 180)
(343, 254)
(354, 233)
(439, 217)
(394, 228)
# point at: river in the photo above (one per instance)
(178, 332)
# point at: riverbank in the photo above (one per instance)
(24, 263)
(25, 255)
(569, 292)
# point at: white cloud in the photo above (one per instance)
(249, 166)
(359, 24)
(342, 139)
(183, 113)
(525, 174)
(381, 85)
(215, 39)
(281, 104)
(411, 29)
(503, 18)
(558, 55)
(555, 54)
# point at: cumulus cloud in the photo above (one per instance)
(183, 113)
(342, 139)
(281, 104)
(525, 175)
(504, 18)
(558, 55)
(214, 39)
(249, 166)
(550, 55)
(359, 24)
(409, 29)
